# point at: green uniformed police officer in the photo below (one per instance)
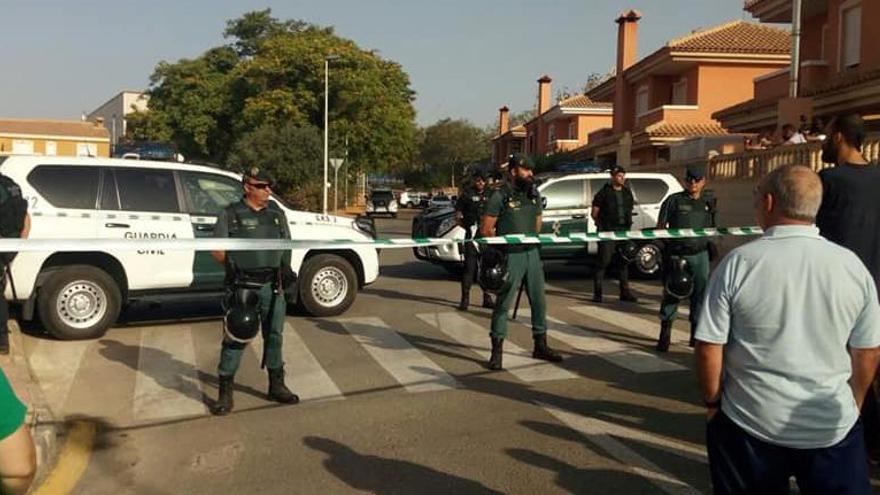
(468, 209)
(515, 208)
(255, 217)
(691, 208)
(613, 210)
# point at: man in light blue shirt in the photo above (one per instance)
(787, 345)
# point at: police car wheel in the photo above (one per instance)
(79, 302)
(649, 258)
(327, 285)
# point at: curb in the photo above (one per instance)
(45, 430)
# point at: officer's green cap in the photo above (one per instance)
(520, 160)
(257, 173)
(696, 171)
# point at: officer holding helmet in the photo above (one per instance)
(255, 286)
(515, 208)
(613, 210)
(687, 267)
(468, 210)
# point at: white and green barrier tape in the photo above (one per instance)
(217, 244)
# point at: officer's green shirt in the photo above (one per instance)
(516, 212)
(681, 211)
(268, 223)
(12, 411)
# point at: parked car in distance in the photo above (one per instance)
(413, 199)
(440, 201)
(382, 202)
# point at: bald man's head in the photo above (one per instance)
(796, 191)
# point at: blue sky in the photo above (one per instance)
(465, 58)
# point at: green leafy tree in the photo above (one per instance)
(272, 74)
(451, 144)
(292, 154)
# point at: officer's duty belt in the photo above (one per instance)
(261, 276)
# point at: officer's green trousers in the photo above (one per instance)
(699, 268)
(272, 314)
(522, 266)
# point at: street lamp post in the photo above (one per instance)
(327, 60)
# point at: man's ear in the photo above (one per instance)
(769, 203)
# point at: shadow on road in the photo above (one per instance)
(379, 475)
(576, 480)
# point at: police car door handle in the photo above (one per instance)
(578, 217)
(117, 225)
(203, 227)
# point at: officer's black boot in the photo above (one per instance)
(497, 354)
(224, 403)
(693, 341)
(627, 296)
(465, 301)
(487, 301)
(597, 293)
(4, 342)
(665, 335)
(543, 351)
(278, 391)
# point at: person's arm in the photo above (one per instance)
(487, 226)
(594, 214)
(539, 223)
(26, 228)
(663, 216)
(709, 364)
(596, 205)
(18, 462)
(864, 367)
(221, 231)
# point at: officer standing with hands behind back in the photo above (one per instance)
(515, 208)
(613, 210)
(687, 259)
(468, 210)
(255, 278)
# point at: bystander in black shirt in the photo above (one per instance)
(850, 212)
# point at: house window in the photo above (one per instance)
(22, 147)
(680, 92)
(850, 35)
(86, 149)
(51, 148)
(642, 100)
(572, 130)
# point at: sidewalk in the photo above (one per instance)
(44, 429)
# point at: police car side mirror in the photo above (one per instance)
(543, 201)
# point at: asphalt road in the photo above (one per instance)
(397, 398)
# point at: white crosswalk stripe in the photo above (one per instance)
(517, 360)
(405, 363)
(599, 433)
(304, 374)
(168, 387)
(615, 352)
(55, 365)
(641, 326)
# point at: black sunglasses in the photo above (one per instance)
(694, 179)
(260, 185)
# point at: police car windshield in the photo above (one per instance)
(382, 194)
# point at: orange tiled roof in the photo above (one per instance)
(663, 129)
(583, 101)
(73, 128)
(736, 37)
(844, 81)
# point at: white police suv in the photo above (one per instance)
(79, 295)
(568, 198)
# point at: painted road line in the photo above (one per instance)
(72, 460)
(55, 365)
(596, 433)
(618, 353)
(641, 326)
(405, 363)
(307, 377)
(517, 360)
(167, 384)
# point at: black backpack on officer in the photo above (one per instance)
(12, 213)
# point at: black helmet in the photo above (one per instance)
(493, 270)
(679, 281)
(242, 320)
(628, 251)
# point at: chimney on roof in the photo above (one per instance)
(99, 122)
(544, 94)
(503, 120)
(627, 49)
